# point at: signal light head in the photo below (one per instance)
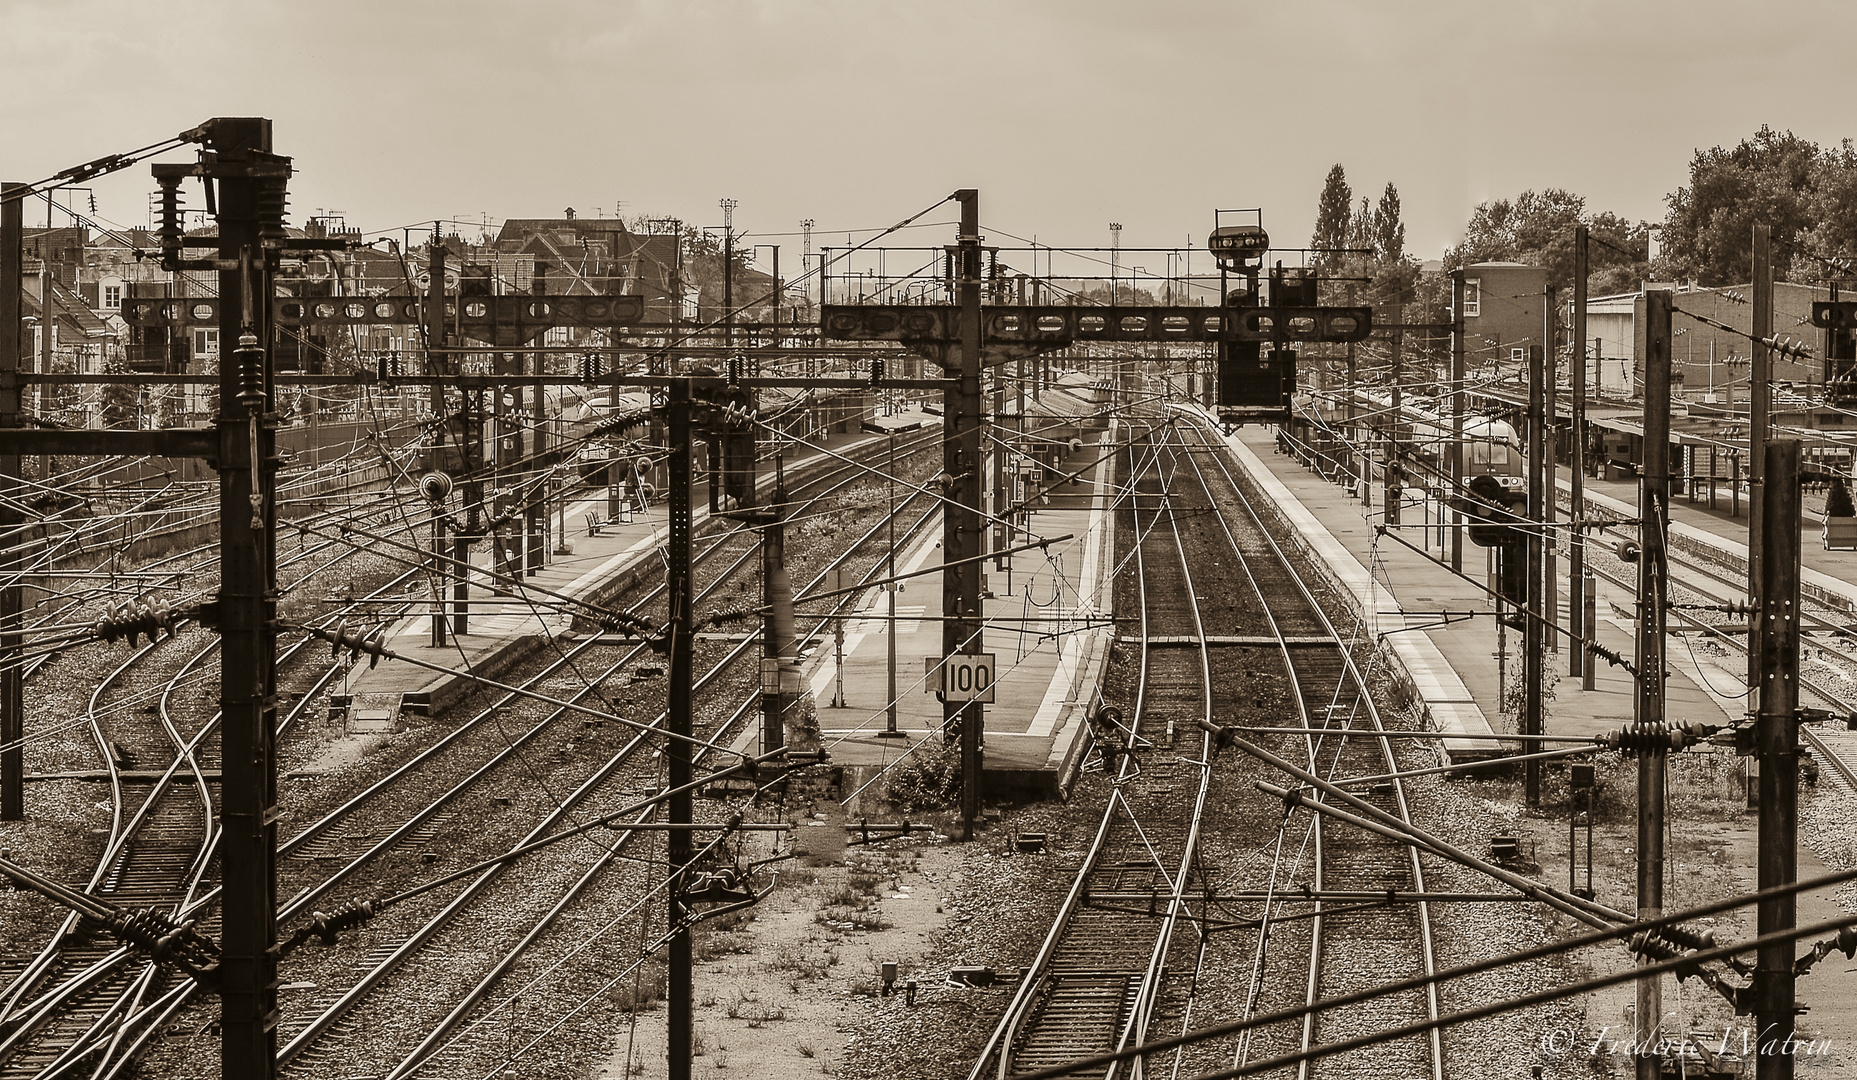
(435, 486)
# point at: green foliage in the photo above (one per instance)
(1389, 232)
(929, 779)
(1776, 178)
(1364, 243)
(1536, 228)
(1360, 228)
(1331, 217)
(1515, 696)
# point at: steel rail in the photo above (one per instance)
(1006, 1031)
(29, 1018)
(436, 1040)
(172, 1001)
(319, 1025)
(1146, 997)
(1422, 911)
(999, 1053)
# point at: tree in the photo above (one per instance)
(1617, 254)
(1524, 230)
(1332, 212)
(1389, 232)
(1360, 233)
(1832, 209)
(1537, 229)
(1772, 178)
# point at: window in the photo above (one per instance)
(113, 297)
(206, 341)
(1491, 457)
(1473, 297)
(1517, 354)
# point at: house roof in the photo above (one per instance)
(68, 309)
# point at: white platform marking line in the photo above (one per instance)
(826, 673)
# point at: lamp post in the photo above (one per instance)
(806, 253)
(779, 294)
(728, 271)
(1115, 251)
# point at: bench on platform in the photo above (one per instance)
(594, 524)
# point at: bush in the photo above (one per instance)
(929, 779)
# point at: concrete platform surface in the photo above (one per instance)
(1047, 626)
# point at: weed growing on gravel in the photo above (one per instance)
(711, 946)
(866, 881)
(807, 1049)
(728, 921)
(859, 917)
(756, 1015)
(637, 997)
(807, 961)
(843, 894)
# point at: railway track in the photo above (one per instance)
(335, 1029)
(1353, 944)
(425, 824)
(1830, 743)
(1112, 973)
(1098, 981)
(155, 735)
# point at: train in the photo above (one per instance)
(1492, 445)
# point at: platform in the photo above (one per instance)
(1047, 625)
(1391, 585)
(1440, 635)
(502, 630)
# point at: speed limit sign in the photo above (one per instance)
(967, 677)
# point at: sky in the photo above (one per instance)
(1065, 114)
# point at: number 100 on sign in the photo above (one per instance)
(966, 677)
